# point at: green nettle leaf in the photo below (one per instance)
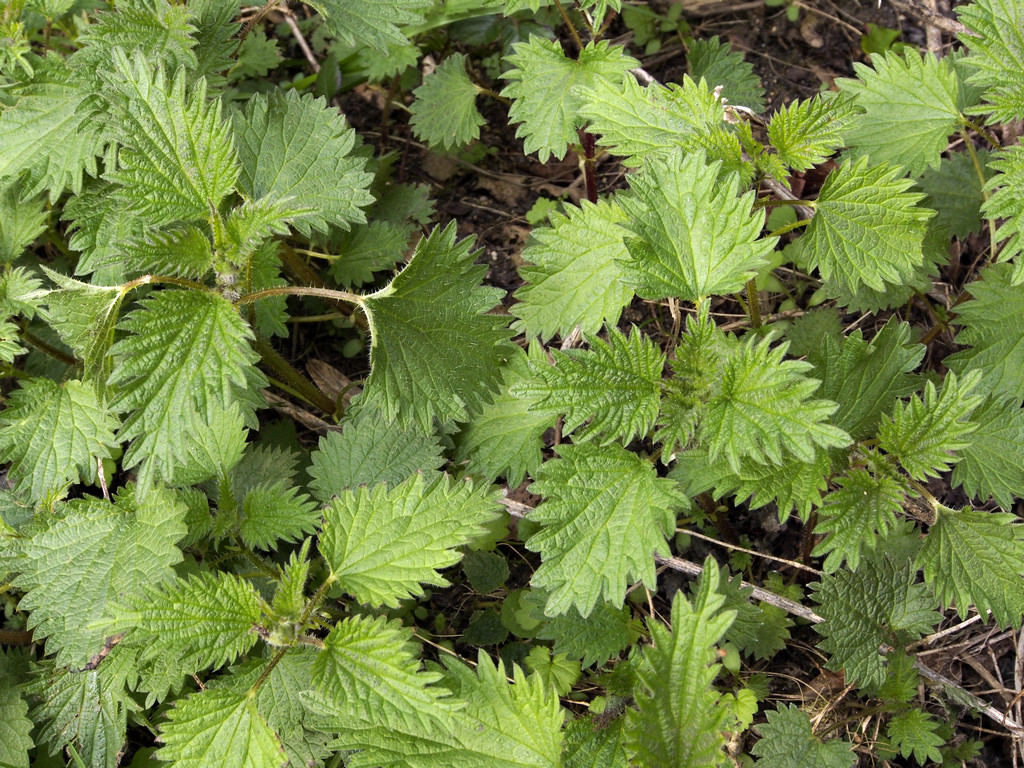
(956, 191)
(605, 514)
(52, 133)
(543, 83)
(759, 630)
(257, 55)
(910, 108)
(806, 133)
(370, 669)
(186, 356)
(922, 434)
(366, 249)
(764, 408)
(87, 708)
(375, 24)
(181, 250)
(864, 378)
(855, 516)
(602, 635)
(210, 616)
(53, 434)
(692, 236)
(84, 316)
(914, 732)
(637, 122)
(867, 229)
(993, 464)
(996, 59)
(177, 159)
(15, 727)
(295, 150)
(616, 385)
(444, 113)
(371, 450)
(274, 512)
(719, 65)
(577, 276)
(96, 553)
(435, 352)
(21, 221)
(787, 741)
(970, 556)
(1007, 204)
(679, 719)
(879, 604)
(504, 438)
(219, 728)
(592, 743)
(103, 229)
(382, 543)
(994, 331)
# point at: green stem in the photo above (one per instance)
(43, 346)
(568, 22)
(301, 290)
(753, 304)
(266, 672)
(789, 227)
(980, 172)
(293, 378)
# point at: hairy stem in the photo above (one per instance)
(587, 142)
(293, 378)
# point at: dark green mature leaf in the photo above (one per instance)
(592, 743)
(806, 133)
(1007, 204)
(993, 328)
(371, 450)
(993, 464)
(317, 176)
(444, 113)
(103, 230)
(910, 105)
(15, 727)
(956, 191)
(186, 356)
(855, 516)
(867, 229)
(693, 235)
(368, 248)
(605, 514)
(85, 315)
(53, 434)
(543, 88)
(219, 728)
(996, 57)
(879, 604)
(602, 635)
(720, 66)
(615, 385)
(577, 275)
(435, 352)
(275, 512)
(679, 720)
(914, 732)
(970, 556)
(97, 553)
(787, 741)
(866, 378)
(504, 438)
(373, 24)
(177, 159)
(22, 219)
(382, 544)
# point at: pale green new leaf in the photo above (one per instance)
(910, 108)
(444, 113)
(764, 409)
(257, 55)
(993, 327)
(1007, 203)
(576, 277)
(678, 722)
(53, 132)
(275, 512)
(970, 556)
(219, 728)
(96, 553)
(370, 669)
(914, 732)
(435, 350)
(543, 88)
(996, 56)
(504, 438)
(382, 543)
(53, 434)
(806, 133)
(20, 293)
(177, 159)
(867, 229)
(295, 150)
(787, 741)
(605, 514)
(209, 616)
(15, 727)
(84, 316)
(615, 385)
(923, 434)
(866, 378)
(10, 342)
(22, 219)
(880, 604)
(692, 234)
(993, 464)
(374, 24)
(855, 516)
(637, 122)
(717, 63)
(185, 356)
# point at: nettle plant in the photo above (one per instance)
(184, 587)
